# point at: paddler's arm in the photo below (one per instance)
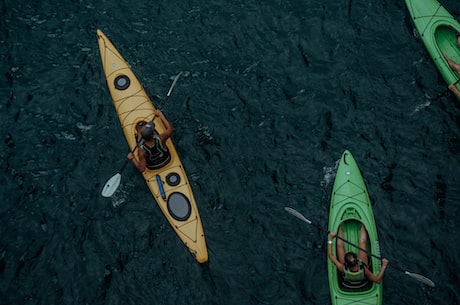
(168, 132)
(376, 278)
(141, 164)
(453, 88)
(336, 262)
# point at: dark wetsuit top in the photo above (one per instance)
(156, 155)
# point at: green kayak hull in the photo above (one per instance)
(350, 207)
(438, 30)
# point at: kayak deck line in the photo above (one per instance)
(429, 22)
(360, 192)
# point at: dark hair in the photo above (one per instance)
(148, 130)
(351, 259)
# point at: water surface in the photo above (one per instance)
(272, 93)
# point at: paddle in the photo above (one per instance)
(415, 276)
(114, 182)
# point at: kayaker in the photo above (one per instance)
(354, 267)
(456, 68)
(153, 152)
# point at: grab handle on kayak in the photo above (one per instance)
(160, 186)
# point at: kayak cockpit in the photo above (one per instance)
(351, 232)
(446, 40)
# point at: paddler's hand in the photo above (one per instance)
(384, 262)
(332, 235)
(158, 113)
(130, 156)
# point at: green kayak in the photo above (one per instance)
(350, 208)
(438, 30)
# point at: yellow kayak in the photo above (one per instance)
(169, 184)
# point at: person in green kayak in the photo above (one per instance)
(456, 68)
(354, 267)
(153, 152)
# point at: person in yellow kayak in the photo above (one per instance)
(354, 267)
(153, 152)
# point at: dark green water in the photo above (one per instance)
(272, 93)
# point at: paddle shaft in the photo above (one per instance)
(364, 250)
(301, 217)
(416, 276)
(127, 160)
(346, 241)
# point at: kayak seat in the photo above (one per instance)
(354, 286)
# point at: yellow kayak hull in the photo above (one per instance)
(169, 185)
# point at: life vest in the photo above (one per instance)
(156, 155)
(351, 276)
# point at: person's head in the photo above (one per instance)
(351, 259)
(148, 130)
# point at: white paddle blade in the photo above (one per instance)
(111, 185)
(173, 84)
(297, 214)
(420, 278)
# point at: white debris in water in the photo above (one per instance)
(119, 197)
(66, 136)
(83, 127)
(329, 174)
(421, 106)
